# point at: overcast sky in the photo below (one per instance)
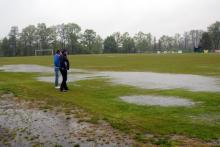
(107, 16)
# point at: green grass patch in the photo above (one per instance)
(202, 64)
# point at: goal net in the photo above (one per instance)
(41, 52)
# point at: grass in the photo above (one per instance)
(101, 99)
(202, 64)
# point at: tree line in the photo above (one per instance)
(71, 37)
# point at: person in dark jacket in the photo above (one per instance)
(64, 66)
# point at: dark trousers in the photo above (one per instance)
(63, 85)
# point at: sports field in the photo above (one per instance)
(101, 99)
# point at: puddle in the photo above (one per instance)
(211, 118)
(157, 100)
(71, 78)
(150, 80)
(146, 80)
(33, 68)
(23, 126)
(26, 68)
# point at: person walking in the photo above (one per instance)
(57, 67)
(64, 66)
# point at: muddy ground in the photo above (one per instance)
(28, 123)
(25, 124)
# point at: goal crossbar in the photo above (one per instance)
(44, 50)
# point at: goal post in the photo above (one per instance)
(49, 51)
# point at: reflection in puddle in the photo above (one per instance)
(157, 100)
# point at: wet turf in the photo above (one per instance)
(101, 99)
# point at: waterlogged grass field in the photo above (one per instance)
(101, 100)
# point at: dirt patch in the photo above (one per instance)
(25, 125)
(157, 100)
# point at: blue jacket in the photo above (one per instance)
(57, 60)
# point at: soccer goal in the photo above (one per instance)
(43, 52)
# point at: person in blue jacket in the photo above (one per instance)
(57, 67)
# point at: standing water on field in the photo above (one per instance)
(155, 100)
(146, 80)
(151, 80)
